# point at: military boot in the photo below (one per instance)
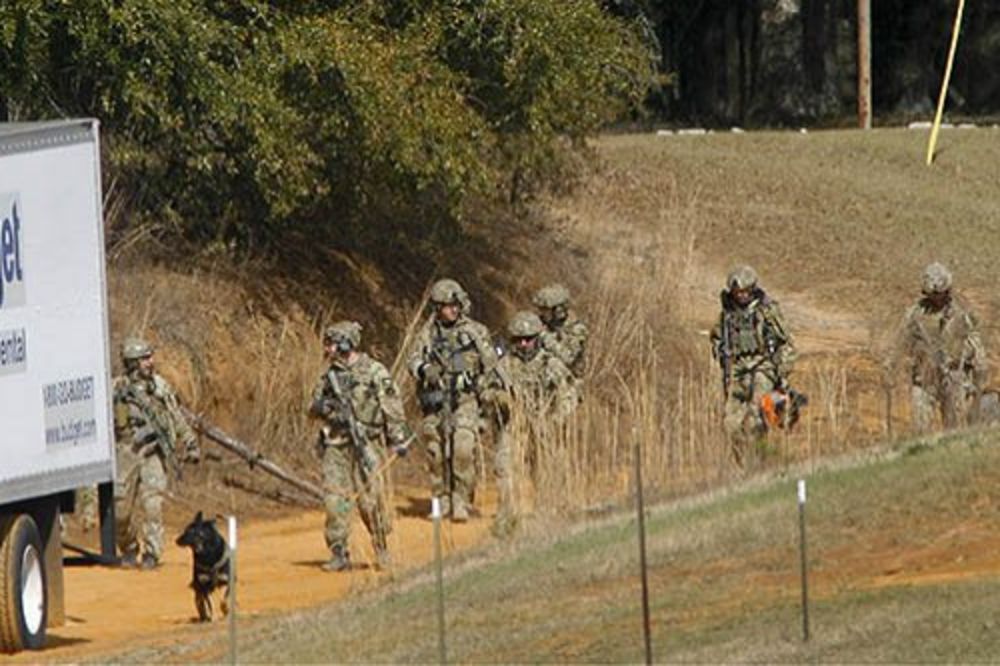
(129, 559)
(383, 561)
(149, 562)
(340, 560)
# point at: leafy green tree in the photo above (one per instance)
(238, 120)
(540, 70)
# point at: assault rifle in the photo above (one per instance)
(160, 435)
(350, 419)
(725, 354)
(448, 426)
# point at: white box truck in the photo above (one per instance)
(55, 407)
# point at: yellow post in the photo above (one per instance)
(944, 84)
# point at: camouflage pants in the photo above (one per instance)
(139, 492)
(87, 507)
(344, 483)
(462, 465)
(743, 421)
(953, 400)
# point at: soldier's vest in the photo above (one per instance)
(528, 375)
(141, 413)
(568, 335)
(944, 332)
(356, 385)
(748, 331)
(455, 351)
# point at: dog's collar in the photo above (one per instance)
(218, 566)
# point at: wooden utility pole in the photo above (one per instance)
(865, 64)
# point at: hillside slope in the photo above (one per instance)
(838, 224)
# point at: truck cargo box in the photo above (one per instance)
(56, 432)
(54, 357)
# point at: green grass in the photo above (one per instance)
(851, 217)
(724, 580)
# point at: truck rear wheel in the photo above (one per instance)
(23, 607)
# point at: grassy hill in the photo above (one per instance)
(850, 216)
(903, 568)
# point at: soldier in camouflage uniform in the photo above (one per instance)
(148, 429)
(454, 364)
(944, 351)
(754, 346)
(362, 411)
(537, 376)
(543, 388)
(565, 335)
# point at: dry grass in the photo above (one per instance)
(838, 224)
(249, 368)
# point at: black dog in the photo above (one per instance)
(211, 564)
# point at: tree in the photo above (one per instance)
(236, 121)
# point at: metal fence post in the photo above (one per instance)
(802, 559)
(232, 589)
(640, 507)
(439, 571)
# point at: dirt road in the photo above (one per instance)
(279, 570)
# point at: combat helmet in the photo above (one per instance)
(525, 324)
(741, 277)
(936, 279)
(447, 291)
(346, 335)
(551, 296)
(135, 348)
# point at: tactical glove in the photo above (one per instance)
(321, 407)
(431, 375)
(400, 442)
(144, 435)
(192, 453)
(465, 382)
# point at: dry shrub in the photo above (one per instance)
(651, 384)
(249, 368)
(673, 413)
